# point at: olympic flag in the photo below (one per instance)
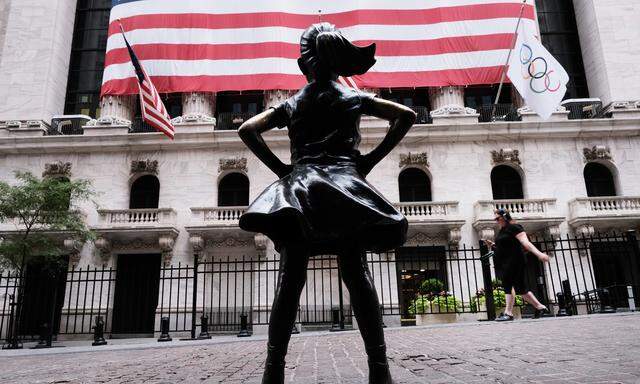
(538, 76)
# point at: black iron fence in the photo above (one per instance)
(498, 112)
(138, 125)
(423, 115)
(597, 273)
(232, 120)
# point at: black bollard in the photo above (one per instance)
(42, 340)
(569, 303)
(605, 301)
(98, 332)
(244, 330)
(164, 330)
(562, 305)
(294, 329)
(335, 320)
(204, 328)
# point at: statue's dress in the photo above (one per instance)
(325, 203)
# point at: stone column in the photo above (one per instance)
(274, 97)
(198, 107)
(441, 97)
(117, 110)
(447, 106)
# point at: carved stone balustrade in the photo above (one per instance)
(535, 215)
(218, 226)
(587, 214)
(218, 216)
(439, 218)
(153, 229)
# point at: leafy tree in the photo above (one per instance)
(40, 209)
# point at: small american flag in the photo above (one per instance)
(153, 111)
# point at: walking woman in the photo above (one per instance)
(322, 203)
(510, 244)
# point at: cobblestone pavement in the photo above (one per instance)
(586, 349)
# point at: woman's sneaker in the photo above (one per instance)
(504, 317)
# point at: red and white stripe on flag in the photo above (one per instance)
(210, 46)
(152, 108)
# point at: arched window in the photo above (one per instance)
(414, 185)
(506, 183)
(233, 191)
(145, 192)
(598, 180)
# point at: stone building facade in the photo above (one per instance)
(453, 155)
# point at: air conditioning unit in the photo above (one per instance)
(68, 124)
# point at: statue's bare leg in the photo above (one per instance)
(364, 300)
(291, 279)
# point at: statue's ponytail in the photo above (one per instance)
(324, 51)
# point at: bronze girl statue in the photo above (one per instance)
(322, 203)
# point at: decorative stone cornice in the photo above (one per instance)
(626, 104)
(228, 242)
(597, 152)
(197, 242)
(166, 243)
(238, 164)
(73, 246)
(108, 120)
(57, 169)
(103, 245)
(23, 124)
(421, 238)
(454, 236)
(552, 232)
(261, 242)
(136, 243)
(527, 109)
(453, 110)
(486, 233)
(414, 159)
(193, 118)
(506, 155)
(144, 166)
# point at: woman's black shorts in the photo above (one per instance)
(513, 277)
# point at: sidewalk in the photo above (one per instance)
(581, 349)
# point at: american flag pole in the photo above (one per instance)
(152, 108)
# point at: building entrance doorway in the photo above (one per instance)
(43, 297)
(414, 266)
(136, 294)
(615, 269)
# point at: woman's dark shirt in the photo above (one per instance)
(508, 248)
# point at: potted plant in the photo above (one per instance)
(440, 309)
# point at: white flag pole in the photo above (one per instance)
(506, 64)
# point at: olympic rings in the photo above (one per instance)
(539, 74)
(533, 73)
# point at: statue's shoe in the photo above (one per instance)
(379, 373)
(273, 373)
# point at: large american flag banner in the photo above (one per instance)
(215, 45)
(152, 108)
